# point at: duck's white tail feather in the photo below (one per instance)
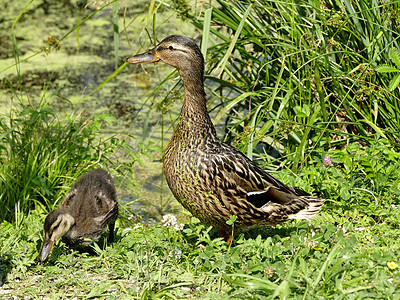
(308, 211)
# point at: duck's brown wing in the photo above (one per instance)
(260, 189)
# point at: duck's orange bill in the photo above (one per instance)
(149, 56)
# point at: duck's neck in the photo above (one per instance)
(194, 109)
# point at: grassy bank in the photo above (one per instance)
(349, 251)
(298, 91)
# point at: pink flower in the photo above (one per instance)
(327, 161)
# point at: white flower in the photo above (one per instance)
(312, 243)
(309, 241)
(175, 254)
(138, 226)
(169, 220)
(179, 226)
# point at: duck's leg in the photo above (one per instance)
(231, 237)
(111, 229)
(228, 236)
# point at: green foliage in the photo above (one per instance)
(357, 173)
(395, 81)
(350, 250)
(363, 170)
(41, 156)
(299, 79)
(296, 76)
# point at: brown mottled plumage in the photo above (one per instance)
(208, 177)
(82, 218)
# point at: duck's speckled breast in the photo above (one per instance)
(183, 166)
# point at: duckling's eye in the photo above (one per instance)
(99, 202)
(56, 227)
(171, 48)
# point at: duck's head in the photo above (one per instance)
(56, 224)
(178, 51)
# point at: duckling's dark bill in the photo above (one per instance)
(46, 248)
(147, 57)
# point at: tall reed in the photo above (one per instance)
(299, 75)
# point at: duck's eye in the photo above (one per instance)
(171, 48)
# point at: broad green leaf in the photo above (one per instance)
(232, 220)
(394, 83)
(386, 69)
(395, 54)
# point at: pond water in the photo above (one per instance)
(86, 58)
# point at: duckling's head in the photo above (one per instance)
(56, 224)
(178, 51)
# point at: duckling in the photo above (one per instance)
(210, 178)
(82, 217)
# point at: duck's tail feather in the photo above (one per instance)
(308, 207)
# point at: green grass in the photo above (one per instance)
(309, 76)
(349, 251)
(351, 259)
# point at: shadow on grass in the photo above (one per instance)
(270, 232)
(5, 267)
(283, 230)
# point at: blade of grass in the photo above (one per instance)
(116, 33)
(231, 104)
(115, 73)
(206, 32)
(20, 14)
(228, 53)
(250, 282)
(327, 262)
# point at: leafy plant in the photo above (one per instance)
(346, 253)
(41, 156)
(297, 76)
(395, 81)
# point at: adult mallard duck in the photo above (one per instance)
(83, 215)
(208, 177)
